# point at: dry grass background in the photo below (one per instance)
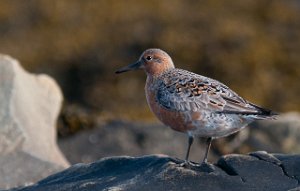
(252, 46)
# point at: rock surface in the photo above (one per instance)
(281, 135)
(256, 171)
(134, 139)
(29, 106)
(117, 138)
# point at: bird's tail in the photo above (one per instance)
(263, 113)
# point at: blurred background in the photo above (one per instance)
(253, 46)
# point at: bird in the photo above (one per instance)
(191, 103)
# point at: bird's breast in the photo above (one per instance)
(174, 119)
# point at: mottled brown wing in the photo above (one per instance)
(186, 91)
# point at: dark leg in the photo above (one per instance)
(191, 140)
(208, 142)
(187, 163)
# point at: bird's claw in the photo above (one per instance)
(203, 167)
(188, 164)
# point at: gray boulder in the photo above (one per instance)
(117, 138)
(29, 106)
(256, 171)
(281, 135)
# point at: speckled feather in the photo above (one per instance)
(181, 90)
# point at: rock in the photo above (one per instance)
(281, 135)
(124, 138)
(160, 172)
(132, 138)
(29, 106)
(20, 168)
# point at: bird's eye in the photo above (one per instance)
(149, 57)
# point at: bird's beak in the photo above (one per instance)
(130, 67)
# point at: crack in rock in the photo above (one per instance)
(226, 168)
(263, 155)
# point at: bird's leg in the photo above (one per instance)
(205, 166)
(190, 142)
(208, 144)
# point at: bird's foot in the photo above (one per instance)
(188, 164)
(203, 167)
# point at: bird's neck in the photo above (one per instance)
(151, 82)
(155, 70)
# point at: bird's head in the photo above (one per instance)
(153, 61)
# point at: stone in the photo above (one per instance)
(115, 138)
(29, 106)
(160, 172)
(281, 135)
(124, 138)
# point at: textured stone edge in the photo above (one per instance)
(221, 169)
